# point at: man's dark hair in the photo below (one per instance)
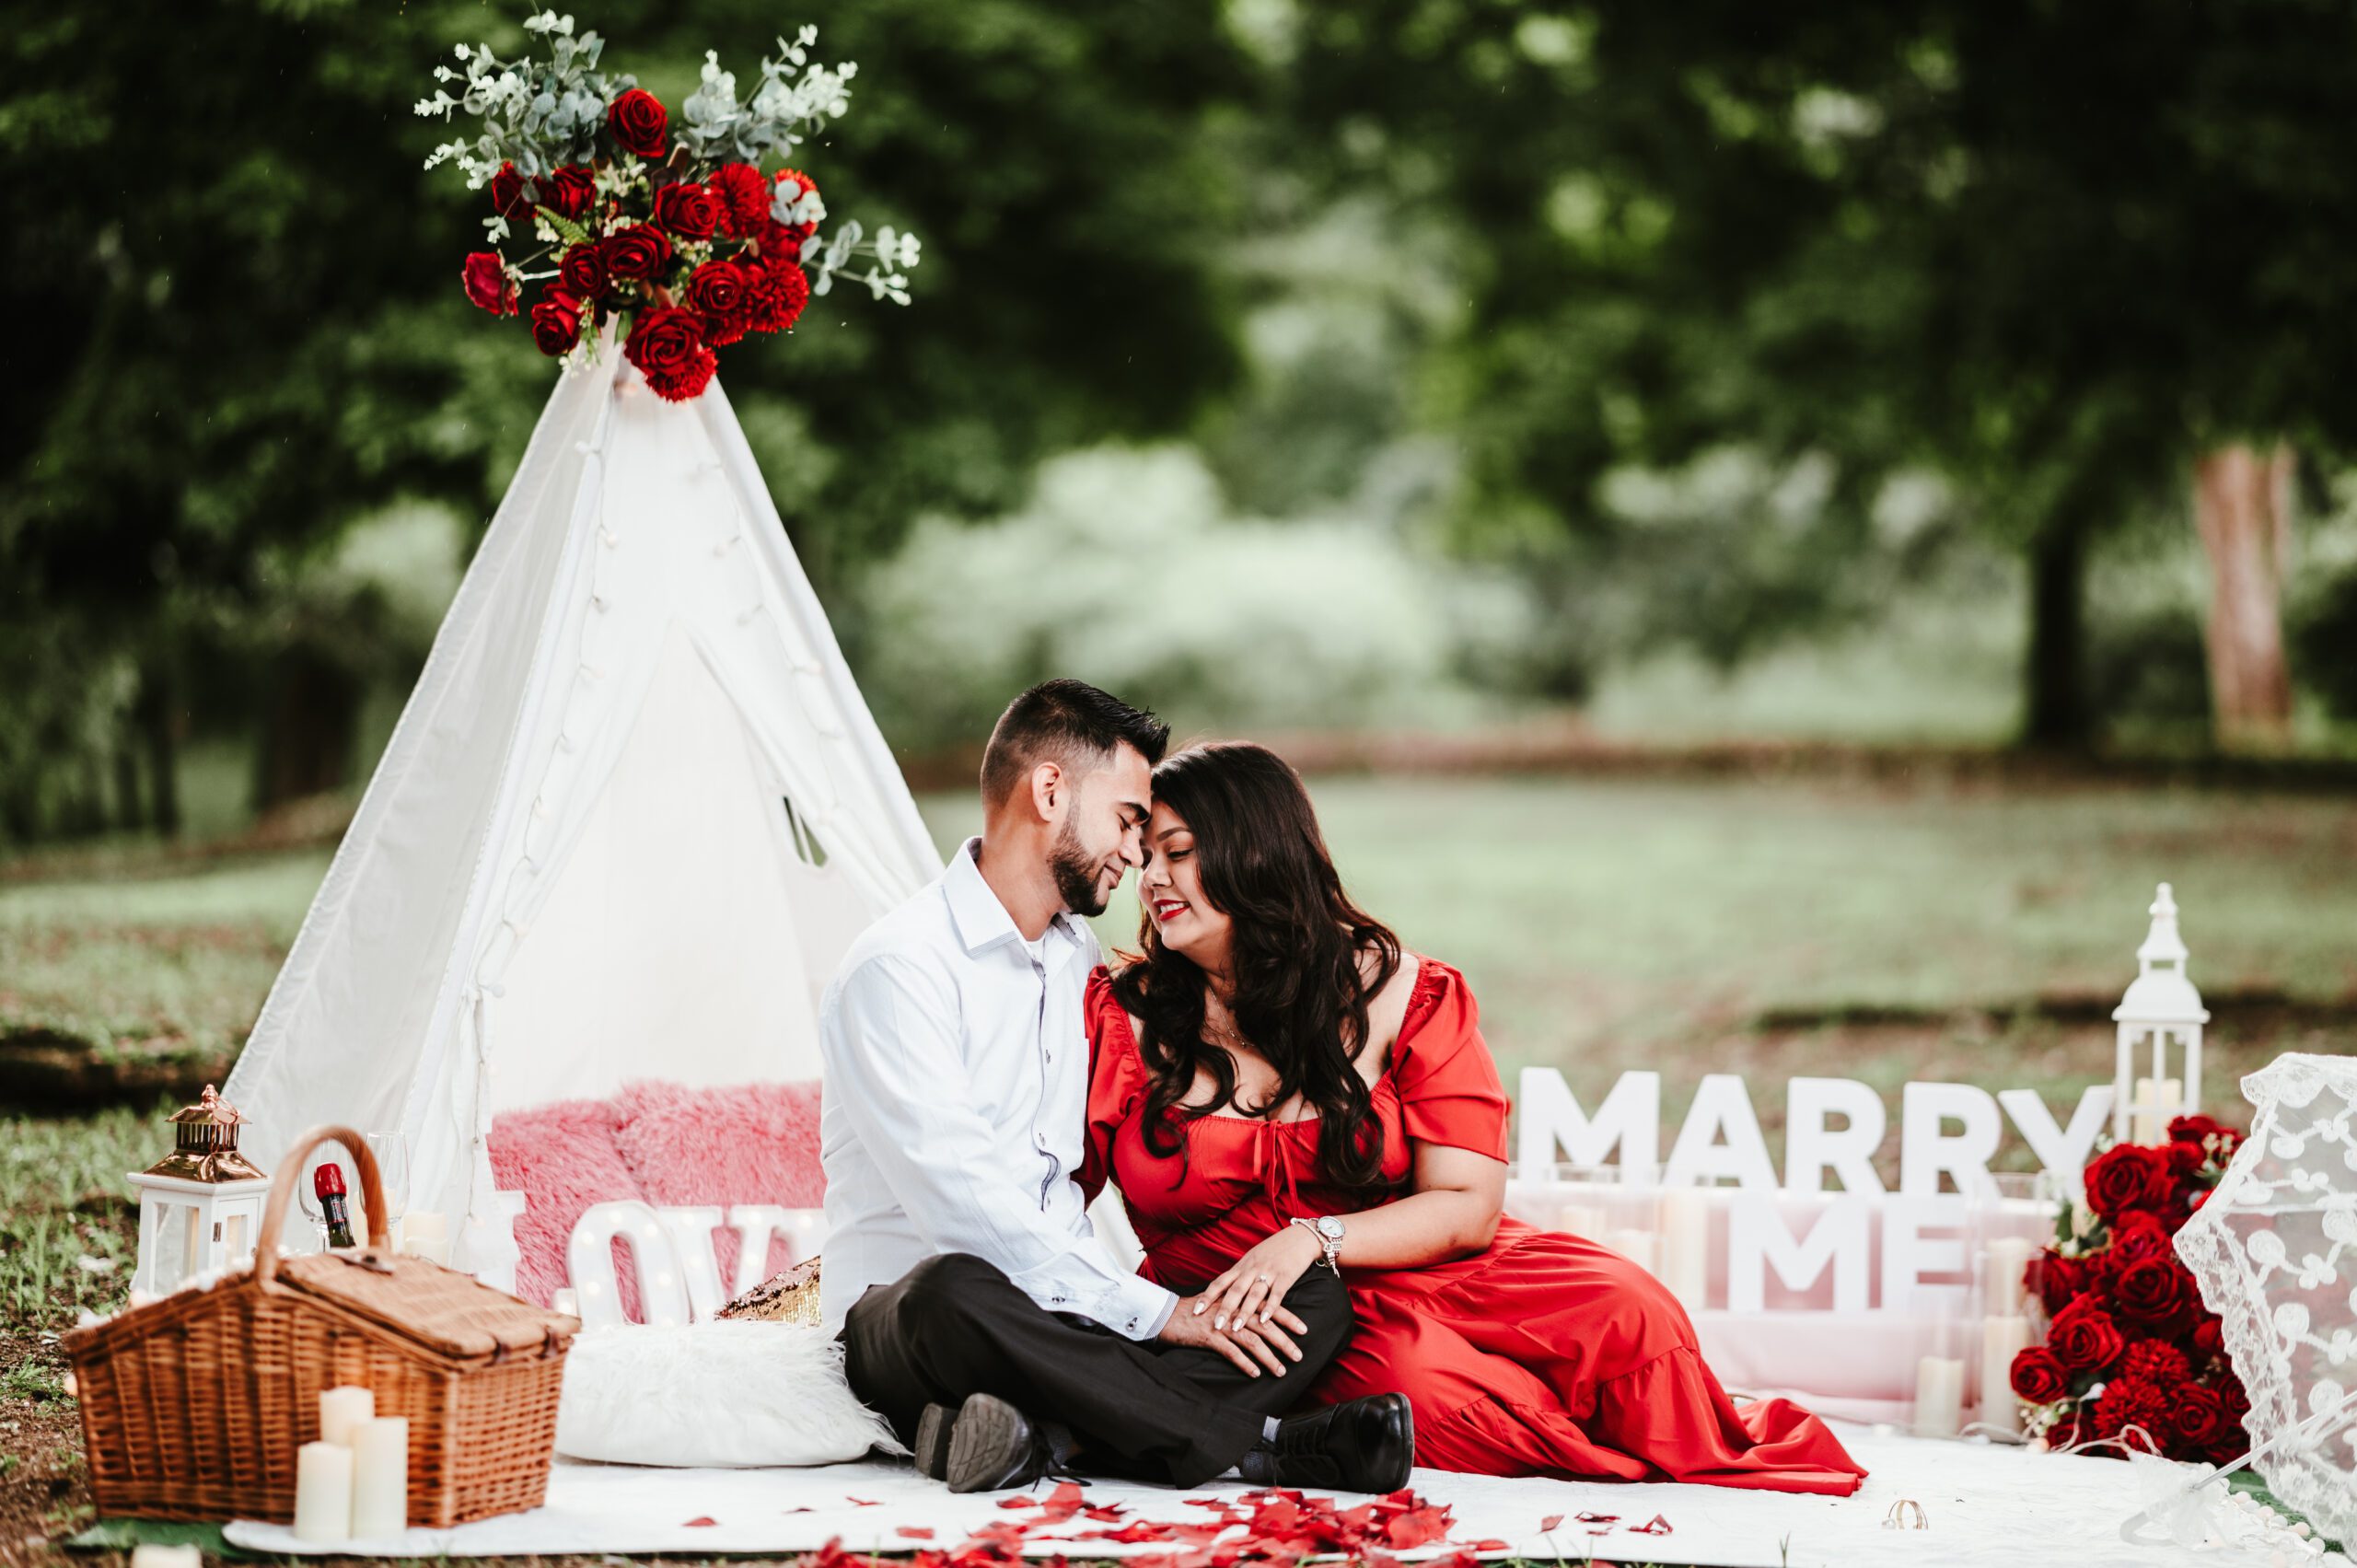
(1069, 723)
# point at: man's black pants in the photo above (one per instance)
(955, 1325)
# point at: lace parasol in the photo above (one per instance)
(2275, 1251)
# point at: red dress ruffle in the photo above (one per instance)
(1543, 1355)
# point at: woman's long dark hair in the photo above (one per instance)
(1301, 992)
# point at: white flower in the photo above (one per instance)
(90, 1265)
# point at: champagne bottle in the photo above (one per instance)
(327, 1183)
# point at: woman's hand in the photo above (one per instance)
(1255, 1287)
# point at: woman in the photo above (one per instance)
(1275, 1058)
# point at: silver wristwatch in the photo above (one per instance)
(1327, 1229)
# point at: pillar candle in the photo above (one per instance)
(1640, 1246)
(322, 1491)
(436, 1249)
(156, 1555)
(1939, 1395)
(1685, 1245)
(1579, 1219)
(380, 1477)
(2003, 1264)
(2144, 1121)
(341, 1412)
(2002, 1339)
(424, 1226)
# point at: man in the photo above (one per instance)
(977, 1311)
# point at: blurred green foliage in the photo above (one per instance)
(1718, 329)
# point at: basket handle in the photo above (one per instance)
(274, 1213)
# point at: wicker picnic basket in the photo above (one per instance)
(192, 1406)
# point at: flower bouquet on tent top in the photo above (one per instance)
(2129, 1343)
(623, 214)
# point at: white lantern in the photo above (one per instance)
(200, 1206)
(2160, 1019)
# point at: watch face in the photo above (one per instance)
(1330, 1226)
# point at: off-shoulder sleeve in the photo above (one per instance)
(1447, 1081)
(1116, 1083)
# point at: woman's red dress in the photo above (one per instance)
(1542, 1354)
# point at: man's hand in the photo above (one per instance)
(1250, 1345)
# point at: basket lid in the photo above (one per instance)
(441, 1310)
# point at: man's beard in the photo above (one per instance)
(1076, 871)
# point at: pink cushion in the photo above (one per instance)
(563, 1158)
(743, 1143)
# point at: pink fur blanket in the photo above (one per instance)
(662, 1144)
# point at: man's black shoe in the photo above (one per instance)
(1360, 1445)
(983, 1445)
(933, 1441)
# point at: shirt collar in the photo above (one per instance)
(983, 921)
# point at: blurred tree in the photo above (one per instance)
(2064, 254)
(234, 295)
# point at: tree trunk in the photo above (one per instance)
(129, 812)
(313, 723)
(2055, 713)
(2242, 504)
(159, 727)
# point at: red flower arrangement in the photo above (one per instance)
(671, 231)
(2128, 1342)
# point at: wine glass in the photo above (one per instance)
(392, 1150)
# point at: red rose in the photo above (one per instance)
(721, 292)
(2060, 1280)
(2199, 1130)
(2232, 1395)
(2157, 1361)
(780, 291)
(583, 271)
(2039, 1378)
(667, 346)
(2065, 1431)
(792, 185)
(569, 192)
(2128, 1176)
(2155, 1294)
(507, 194)
(2185, 1159)
(2085, 1339)
(637, 119)
(556, 323)
(2195, 1415)
(2137, 1237)
(744, 198)
(2208, 1340)
(637, 254)
(688, 210)
(488, 284)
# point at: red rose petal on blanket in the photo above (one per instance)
(1487, 1546)
(1019, 1502)
(1656, 1526)
(914, 1532)
(1417, 1527)
(859, 1502)
(1550, 1522)
(1104, 1511)
(705, 1523)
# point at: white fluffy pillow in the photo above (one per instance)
(724, 1393)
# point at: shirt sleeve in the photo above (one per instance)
(889, 1041)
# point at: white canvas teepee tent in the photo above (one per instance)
(630, 817)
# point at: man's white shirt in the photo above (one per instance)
(956, 1091)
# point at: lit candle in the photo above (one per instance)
(1640, 1246)
(1685, 1245)
(2002, 1339)
(1939, 1395)
(2005, 1262)
(380, 1477)
(2144, 1121)
(322, 1491)
(341, 1412)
